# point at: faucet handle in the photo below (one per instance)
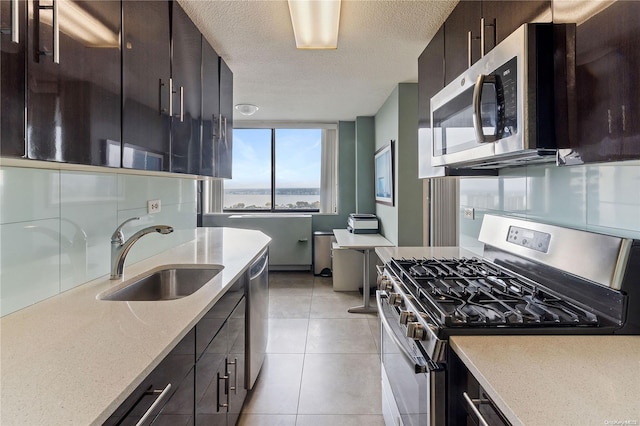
(118, 236)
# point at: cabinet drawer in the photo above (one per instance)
(173, 370)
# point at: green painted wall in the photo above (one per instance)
(397, 120)
(365, 148)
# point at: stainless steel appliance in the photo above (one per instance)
(533, 279)
(257, 324)
(515, 104)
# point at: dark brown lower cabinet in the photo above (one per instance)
(220, 390)
(165, 397)
(202, 380)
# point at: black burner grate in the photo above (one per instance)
(472, 292)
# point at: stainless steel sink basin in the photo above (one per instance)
(165, 283)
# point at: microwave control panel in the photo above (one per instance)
(507, 88)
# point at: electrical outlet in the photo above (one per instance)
(153, 206)
(469, 213)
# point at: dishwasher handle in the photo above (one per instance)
(259, 266)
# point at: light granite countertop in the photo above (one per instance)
(557, 380)
(73, 359)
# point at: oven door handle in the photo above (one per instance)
(418, 368)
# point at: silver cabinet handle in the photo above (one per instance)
(469, 38)
(226, 391)
(160, 86)
(470, 403)
(181, 104)
(220, 127)
(56, 33)
(171, 92)
(303, 240)
(234, 388)
(15, 21)
(56, 30)
(162, 395)
(482, 37)
(224, 130)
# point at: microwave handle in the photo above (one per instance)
(477, 111)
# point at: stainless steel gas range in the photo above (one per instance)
(533, 278)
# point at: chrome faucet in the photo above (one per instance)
(120, 248)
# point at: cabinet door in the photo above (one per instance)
(236, 361)
(465, 18)
(146, 124)
(430, 80)
(224, 146)
(186, 93)
(607, 87)
(13, 71)
(504, 17)
(73, 99)
(210, 109)
(212, 381)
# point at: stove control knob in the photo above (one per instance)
(415, 331)
(385, 284)
(406, 317)
(395, 299)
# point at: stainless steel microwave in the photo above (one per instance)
(515, 105)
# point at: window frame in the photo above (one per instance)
(273, 127)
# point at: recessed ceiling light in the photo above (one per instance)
(246, 109)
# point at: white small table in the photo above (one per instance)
(363, 243)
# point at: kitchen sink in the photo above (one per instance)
(165, 283)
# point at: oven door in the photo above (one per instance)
(415, 383)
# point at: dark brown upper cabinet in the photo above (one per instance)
(146, 73)
(607, 85)
(462, 38)
(73, 93)
(475, 27)
(211, 123)
(186, 93)
(13, 23)
(223, 148)
(501, 18)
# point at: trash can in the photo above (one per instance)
(322, 241)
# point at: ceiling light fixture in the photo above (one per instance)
(315, 23)
(246, 109)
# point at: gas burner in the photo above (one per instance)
(473, 292)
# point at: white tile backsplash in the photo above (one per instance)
(56, 226)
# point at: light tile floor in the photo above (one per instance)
(322, 365)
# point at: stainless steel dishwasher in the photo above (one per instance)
(257, 322)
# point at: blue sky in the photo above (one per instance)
(297, 158)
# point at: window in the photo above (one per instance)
(282, 170)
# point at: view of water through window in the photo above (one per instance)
(295, 168)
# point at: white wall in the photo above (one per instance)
(56, 226)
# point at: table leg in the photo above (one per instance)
(365, 308)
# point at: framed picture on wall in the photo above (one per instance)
(384, 174)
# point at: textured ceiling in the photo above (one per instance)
(378, 47)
